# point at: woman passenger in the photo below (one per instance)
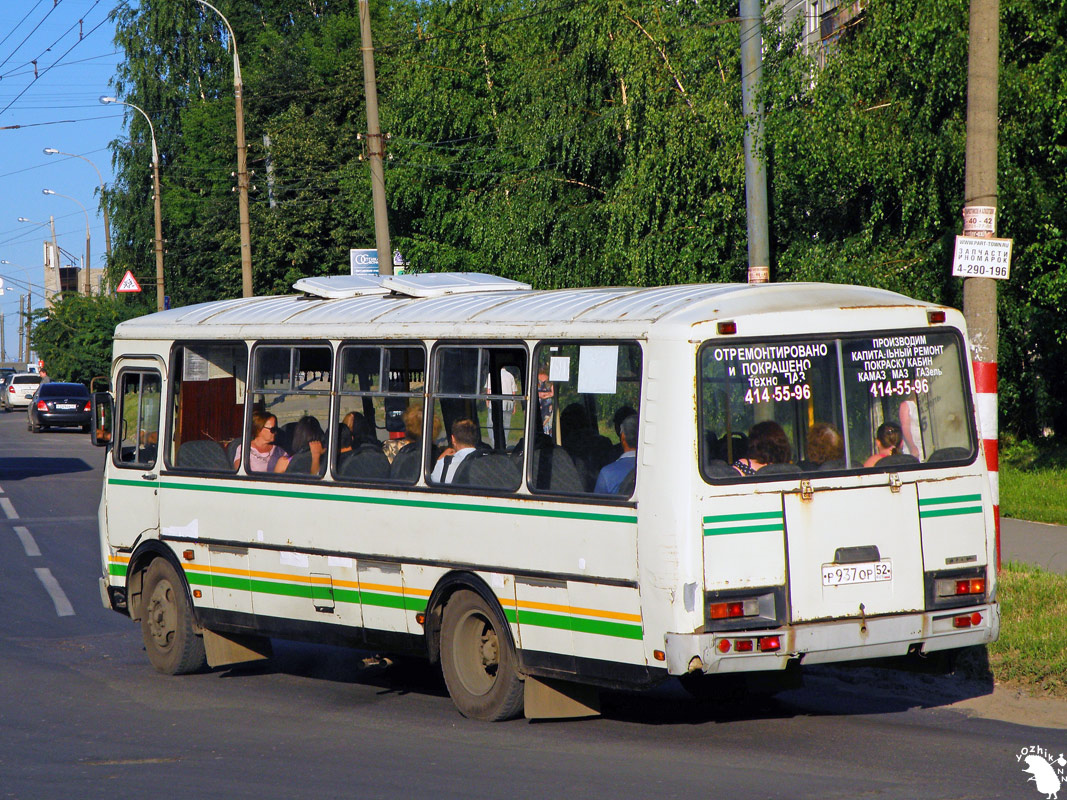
(887, 443)
(767, 444)
(263, 455)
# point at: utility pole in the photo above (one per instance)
(3, 342)
(22, 323)
(980, 189)
(759, 270)
(375, 147)
(29, 320)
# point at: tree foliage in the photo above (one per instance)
(75, 335)
(598, 142)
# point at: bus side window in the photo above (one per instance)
(585, 434)
(291, 385)
(380, 413)
(479, 398)
(207, 407)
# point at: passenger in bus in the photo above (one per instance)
(588, 449)
(309, 445)
(412, 432)
(546, 394)
(263, 454)
(887, 441)
(767, 444)
(344, 443)
(910, 429)
(826, 448)
(463, 440)
(620, 415)
(612, 476)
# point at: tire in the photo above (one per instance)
(32, 428)
(478, 660)
(172, 645)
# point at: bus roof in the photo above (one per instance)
(612, 311)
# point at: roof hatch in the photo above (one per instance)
(337, 287)
(436, 284)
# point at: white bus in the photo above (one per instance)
(692, 481)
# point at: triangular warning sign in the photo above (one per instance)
(128, 283)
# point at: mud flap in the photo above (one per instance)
(234, 648)
(547, 698)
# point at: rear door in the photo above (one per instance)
(854, 552)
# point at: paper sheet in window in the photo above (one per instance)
(598, 367)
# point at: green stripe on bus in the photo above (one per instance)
(745, 529)
(118, 570)
(959, 498)
(619, 630)
(744, 517)
(950, 512)
(590, 516)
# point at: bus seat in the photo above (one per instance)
(950, 454)
(406, 464)
(300, 463)
(203, 454)
(833, 463)
(717, 468)
(366, 462)
(553, 470)
(629, 483)
(488, 471)
(778, 469)
(897, 460)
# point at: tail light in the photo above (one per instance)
(11, 388)
(960, 587)
(42, 405)
(88, 406)
(732, 609)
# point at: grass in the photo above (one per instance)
(1033, 481)
(1031, 652)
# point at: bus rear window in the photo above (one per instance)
(874, 402)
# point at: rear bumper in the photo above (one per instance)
(63, 418)
(831, 641)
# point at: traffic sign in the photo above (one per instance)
(981, 258)
(128, 283)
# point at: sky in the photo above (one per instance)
(72, 42)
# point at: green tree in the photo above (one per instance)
(74, 337)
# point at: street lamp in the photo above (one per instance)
(83, 208)
(51, 151)
(55, 245)
(242, 162)
(156, 201)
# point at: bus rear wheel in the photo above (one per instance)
(172, 645)
(478, 660)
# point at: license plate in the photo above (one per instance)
(862, 572)
(66, 406)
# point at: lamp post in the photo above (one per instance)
(242, 162)
(83, 208)
(156, 201)
(51, 151)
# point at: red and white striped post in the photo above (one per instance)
(985, 386)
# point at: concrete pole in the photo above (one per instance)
(157, 210)
(980, 189)
(759, 270)
(375, 147)
(22, 324)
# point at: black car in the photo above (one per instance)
(59, 405)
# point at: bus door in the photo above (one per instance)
(133, 472)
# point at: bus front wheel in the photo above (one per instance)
(172, 645)
(478, 660)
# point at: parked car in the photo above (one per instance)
(19, 390)
(59, 405)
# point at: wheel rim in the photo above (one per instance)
(476, 653)
(162, 614)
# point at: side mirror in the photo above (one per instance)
(103, 412)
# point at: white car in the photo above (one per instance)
(20, 389)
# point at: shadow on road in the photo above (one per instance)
(871, 688)
(19, 468)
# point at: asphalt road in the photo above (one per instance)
(83, 715)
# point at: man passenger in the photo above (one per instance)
(612, 476)
(463, 440)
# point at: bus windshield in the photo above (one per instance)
(874, 402)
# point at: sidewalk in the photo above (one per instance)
(1034, 543)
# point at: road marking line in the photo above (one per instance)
(28, 543)
(59, 599)
(9, 509)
